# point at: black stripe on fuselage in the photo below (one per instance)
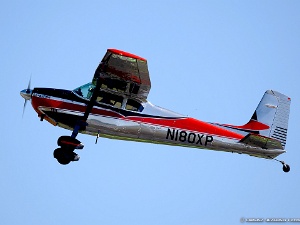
(71, 96)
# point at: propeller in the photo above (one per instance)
(26, 95)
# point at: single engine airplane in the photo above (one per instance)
(114, 105)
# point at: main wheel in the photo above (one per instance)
(286, 168)
(61, 156)
(69, 142)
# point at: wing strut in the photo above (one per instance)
(82, 123)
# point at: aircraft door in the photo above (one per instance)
(147, 131)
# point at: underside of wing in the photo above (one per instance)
(123, 73)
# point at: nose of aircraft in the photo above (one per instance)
(26, 94)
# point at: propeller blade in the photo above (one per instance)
(28, 87)
(24, 106)
(27, 91)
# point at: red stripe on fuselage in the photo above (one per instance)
(252, 125)
(189, 124)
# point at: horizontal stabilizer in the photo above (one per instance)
(257, 140)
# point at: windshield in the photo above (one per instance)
(85, 90)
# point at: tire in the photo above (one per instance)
(67, 142)
(61, 156)
(286, 168)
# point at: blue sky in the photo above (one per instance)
(212, 60)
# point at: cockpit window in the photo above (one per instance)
(85, 90)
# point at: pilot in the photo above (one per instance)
(79, 92)
(90, 92)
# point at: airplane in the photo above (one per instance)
(114, 105)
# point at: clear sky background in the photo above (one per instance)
(212, 60)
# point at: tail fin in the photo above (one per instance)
(273, 111)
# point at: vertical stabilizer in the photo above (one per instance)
(273, 111)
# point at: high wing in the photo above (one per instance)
(124, 74)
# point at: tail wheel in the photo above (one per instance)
(286, 168)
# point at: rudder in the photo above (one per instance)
(273, 111)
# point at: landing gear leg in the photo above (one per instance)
(65, 154)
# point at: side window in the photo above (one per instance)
(133, 105)
(110, 99)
